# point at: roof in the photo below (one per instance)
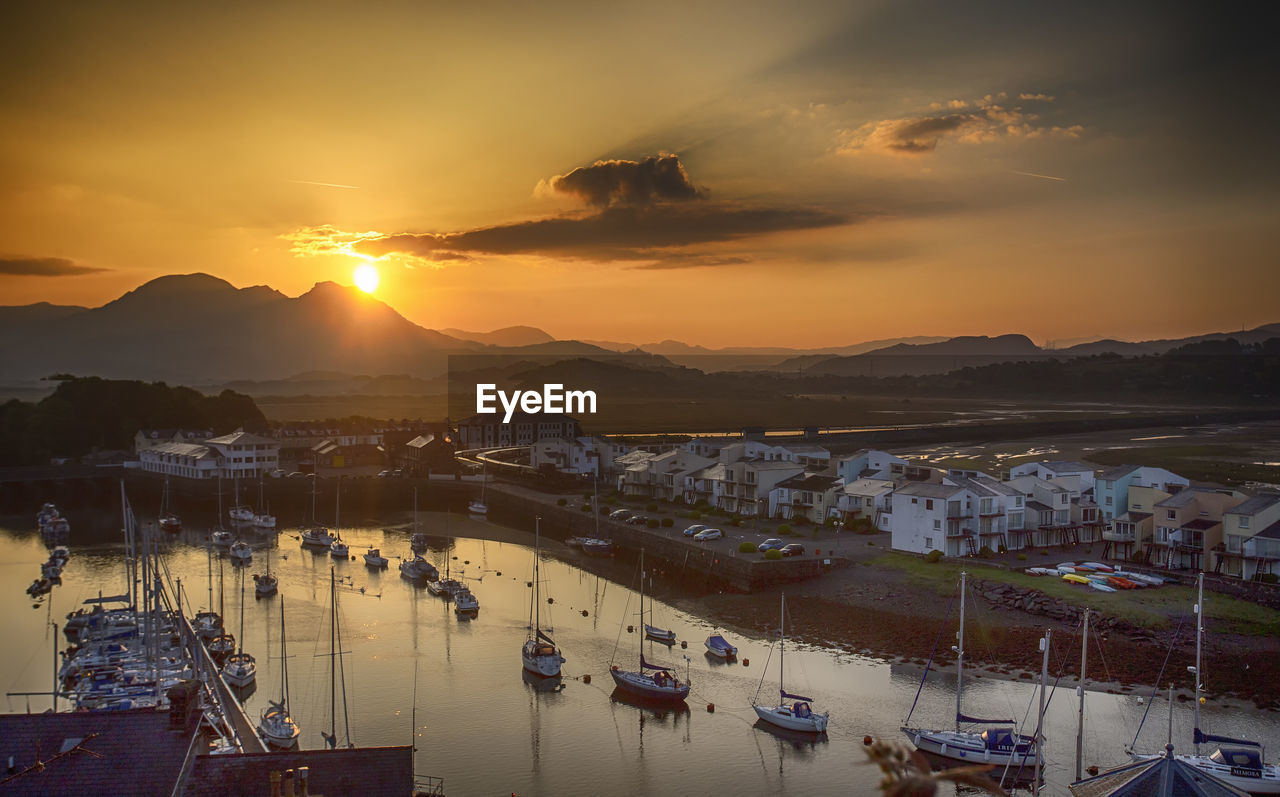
(1163, 776)
(1039, 507)
(135, 747)
(420, 441)
(996, 486)
(1255, 504)
(1133, 516)
(806, 448)
(183, 450)
(772, 464)
(929, 490)
(1271, 532)
(1068, 466)
(869, 487)
(242, 439)
(809, 481)
(1200, 524)
(1118, 472)
(365, 771)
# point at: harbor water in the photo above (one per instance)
(487, 728)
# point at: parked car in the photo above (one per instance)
(694, 529)
(297, 474)
(770, 544)
(384, 474)
(793, 549)
(620, 514)
(708, 534)
(637, 520)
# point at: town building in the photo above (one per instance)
(490, 431)
(811, 496)
(1112, 486)
(580, 456)
(150, 438)
(1189, 524)
(869, 463)
(1251, 538)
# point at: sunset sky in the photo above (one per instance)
(797, 174)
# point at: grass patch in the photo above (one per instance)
(1156, 608)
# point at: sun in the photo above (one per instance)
(366, 277)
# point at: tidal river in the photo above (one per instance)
(487, 730)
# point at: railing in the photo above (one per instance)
(428, 786)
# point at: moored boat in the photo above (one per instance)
(539, 655)
(719, 646)
(374, 558)
(799, 714)
(652, 682)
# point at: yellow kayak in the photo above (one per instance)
(1074, 579)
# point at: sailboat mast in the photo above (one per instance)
(960, 653)
(535, 606)
(1084, 661)
(337, 509)
(641, 634)
(333, 654)
(782, 646)
(209, 556)
(1044, 681)
(241, 637)
(1199, 631)
(221, 592)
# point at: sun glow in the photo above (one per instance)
(366, 277)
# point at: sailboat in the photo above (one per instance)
(445, 587)
(240, 513)
(338, 549)
(1237, 762)
(317, 536)
(221, 536)
(265, 584)
(415, 568)
(478, 506)
(664, 635)
(208, 623)
(539, 654)
(276, 726)
(264, 519)
(374, 558)
(224, 644)
(650, 682)
(799, 716)
(241, 552)
(335, 664)
(168, 520)
(240, 669)
(999, 744)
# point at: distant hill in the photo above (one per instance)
(507, 336)
(1126, 349)
(902, 359)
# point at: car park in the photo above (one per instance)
(708, 534)
(794, 549)
(770, 544)
(694, 529)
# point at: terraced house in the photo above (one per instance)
(1251, 538)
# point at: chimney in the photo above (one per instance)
(303, 773)
(275, 783)
(288, 783)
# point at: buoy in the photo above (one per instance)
(1202, 701)
(464, 561)
(551, 600)
(1092, 770)
(867, 740)
(584, 612)
(499, 572)
(684, 643)
(711, 708)
(1139, 701)
(630, 628)
(528, 584)
(746, 662)
(586, 679)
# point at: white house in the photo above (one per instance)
(580, 456)
(933, 517)
(1082, 472)
(180, 460)
(809, 495)
(869, 498)
(870, 463)
(245, 455)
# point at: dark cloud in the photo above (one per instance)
(623, 232)
(988, 122)
(623, 182)
(666, 261)
(44, 267)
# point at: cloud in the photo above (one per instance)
(44, 267)
(986, 123)
(625, 182)
(1036, 97)
(615, 233)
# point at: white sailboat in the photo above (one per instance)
(264, 519)
(276, 726)
(240, 669)
(221, 536)
(241, 552)
(335, 666)
(1237, 762)
(998, 744)
(338, 549)
(539, 654)
(168, 520)
(240, 513)
(799, 715)
(266, 583)
(650, 681)
(478, 506)
(317, 536)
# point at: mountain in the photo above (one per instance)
(198, 329)
(507, 336)
(903, 359)
(1126, 349)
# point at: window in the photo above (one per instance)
(1108, 500)
(928, 505)
(1015, 520)
(1244, 521)
(1171, 514)
(868, 502)
(928, 543)
(1017, 501)
(937, 524)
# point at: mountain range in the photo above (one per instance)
(201, 330)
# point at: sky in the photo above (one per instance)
(723, 173)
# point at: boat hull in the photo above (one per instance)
(644, 687)
(783, 717)
(1262, 782)
(952, 747)
(545, 666)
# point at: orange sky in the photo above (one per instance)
(802, 175)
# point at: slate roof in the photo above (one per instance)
(1254, 505)
(243, 439)
(1118, 472)
(809, 481)
(1039, 507)
(1200, 524)
(1068, 466)
(367, 772)
(929, 490)
(1163, 776)
(132, 752)
(1271, 532)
